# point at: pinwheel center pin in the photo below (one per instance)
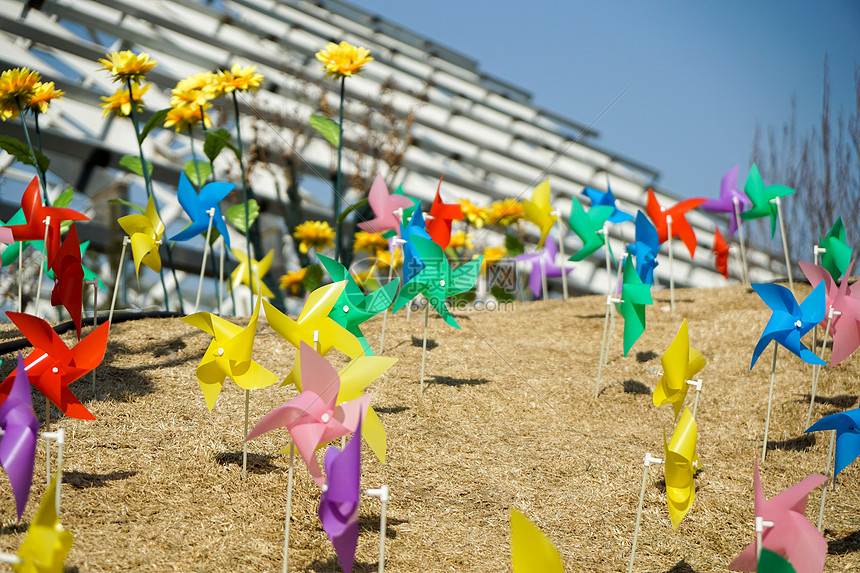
(798, 324)
(220, 352)
(325, 418)
(442, 282)
(346, 308)
(55, 369)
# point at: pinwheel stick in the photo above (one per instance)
(42, 264)
(561, 254)
(424, 346)
(760, 524)
(211, 213)
(20, 276)
(289, 508)
(698, 385)
(60, 437)
(382, 494)
(10, 559)
(612, 308)
(671, 262)
(245, 443)
(95, 284)
(769, 402)
(397, 242)
(543, 278)
(777, 201)
(604, 350)
(828, 471)
(221, 277)
(605, 232)
(649, 459)
(125, 242)
(745, 267)
(816, 369)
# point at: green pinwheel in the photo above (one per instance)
(587, 227)
(353, 307)
(836, 255)
(634, 296)
(762, 198)
(437, 280)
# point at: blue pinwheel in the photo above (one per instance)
(847, 426)
(790, 320)
(645, 248)
(416, 227)
(196, 206)
(608, 199)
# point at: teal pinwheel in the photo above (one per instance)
(837, 252)
(353, 307)
(761, 198)
(586, 226)
(634, 296)
(437, 280)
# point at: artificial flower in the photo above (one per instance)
(194, 90)
(370, 242)
(237, 78)
(461, 239)
(120, 103)
(342, 60)
(43, 94)
(293, 280)
(316, 234)
(474, 214)
(383, 258)
(492, 255)
(126, 66)
(186, 116)
(505, 212)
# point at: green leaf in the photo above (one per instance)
(64, 198)
(21, 151)
(357, 205)
(236, 214)
(501, 294)
(514, 246)
(154, 121)
(132, 163)
(313, 278)
(192, 167)
(216, 141)
(127, 204)
(327, 128)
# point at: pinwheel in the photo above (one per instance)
(12, 250)
(770, 562)
(89, 274)
(792, 535)
(52, 365)
(538, 211)
(407, 212)
(681, 464)
(144, 232)
(20, 433)
(731, 199)
(680, 363)
(844, 299)
(354, 378)
(411, 258)
(835, 251)
(721, 254)
(531, 551)
(47, 544)
(197, 208)
(763, 199)
(69, 277)
(847, 426)
(645, 248)
(790, 321)
(313, 418)
(228, 355)
(384, 208)
(589, 227)
(314, 318)
(338, 509)
(680, 227)
(607, 199)
(443, 215)
(543, 265)
(353, 307)
(239, 276)
(634, 296)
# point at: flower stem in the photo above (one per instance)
(244, 196)
(194, 155)
(338, 177)
(39, 171)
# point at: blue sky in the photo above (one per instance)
(702, 74)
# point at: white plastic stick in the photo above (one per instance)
(10, 559)
(671, 263)
(397, 242)
(784, 242)
(211, 213)
(289, 509)
(382, 494)
(244, 443)
(605, 232)
(648, 461)
(816, 369)
(20, 276)
(619, 278)
(760, 524)
(42, 264)
(543, 279)
(602, 346)
(745, 268)
(221, 278)
(424, 347)
(769, 401)
(562, 255)
(60, 437)
(95, 284)
(698, 385)
(816, 250)
(125, 242)
(828, 471)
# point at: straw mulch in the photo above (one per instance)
(508, 419)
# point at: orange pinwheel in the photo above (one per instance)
(443, 214)
(680, 226)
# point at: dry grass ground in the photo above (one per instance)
(508, 419)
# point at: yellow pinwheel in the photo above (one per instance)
(680, 363)
(228, 355)
(531, 551)
(539, 211)
(314, 317)
(258, 269)
(47, 544)
(145, 233)
(682, 463)
(354, 377)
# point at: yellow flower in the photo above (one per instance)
(343, 60)
(505, 212)
(361, 278)
(194, 90)
(293, 280)
(127, 66)
(120, 103)
(316, 234)
(186, 116)
(370, 242)
(474, 214)
(17, 86)
(42, 96)
(237, 78)
(492, 255)
(383, 258)
(460, 239)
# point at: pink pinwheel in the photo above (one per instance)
(384, 206)
(844, 327)
(792, 535)
(69, 277)
(443, 214)
(338, 510)
(545, 259)
(312, 417)
(726, 202)
(680, 226)
(20, 432)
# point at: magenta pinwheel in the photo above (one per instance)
(384, 206)
(543, 263)
(313, 418)
(20, 432)
(729, 195)
(790, 320)
(845, 300)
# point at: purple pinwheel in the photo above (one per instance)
(847, 426)
(338, 511)
(608, 199)
(725, 203)
(645, 248)
(20, 432)
(845, 299)
(545, 258)
(790, 320)
(196, 206)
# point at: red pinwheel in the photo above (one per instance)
(439, 226)
(721, 254)
(52, 365)
(680, 226)
(69, 277)
(384, 205)
(36, 215)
